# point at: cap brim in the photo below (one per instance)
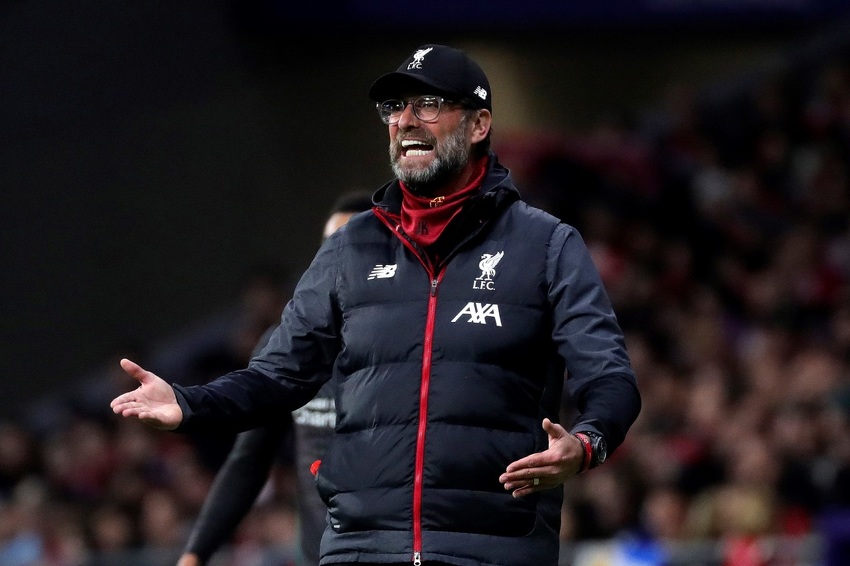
(394, 85)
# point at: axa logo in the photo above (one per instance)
(417, 58)
(479, 313)
(382, 271)
(487, 265)
(481, 92)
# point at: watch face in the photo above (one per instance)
(600, 449)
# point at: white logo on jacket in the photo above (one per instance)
(479, 312)
(487, 265)
(382, 271)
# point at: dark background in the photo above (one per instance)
(153, 151)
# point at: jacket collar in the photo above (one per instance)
(497, 185)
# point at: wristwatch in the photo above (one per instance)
(595, 449)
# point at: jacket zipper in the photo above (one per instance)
(424, 383)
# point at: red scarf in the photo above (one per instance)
(424, 219)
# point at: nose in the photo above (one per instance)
(408, 118)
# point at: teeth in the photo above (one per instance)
(409, 144)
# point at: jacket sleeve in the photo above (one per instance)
(297, 359)
(235, 489)
(600, 378)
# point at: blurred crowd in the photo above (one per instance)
(721, 226)
(80, 486)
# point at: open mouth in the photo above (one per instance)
(415, 148)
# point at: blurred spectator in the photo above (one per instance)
(226, 339)
(19, 458)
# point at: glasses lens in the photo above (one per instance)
(390, 111)
(427, 108)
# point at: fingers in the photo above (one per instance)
(525, 480)
(122, 401)
(527, 474)
(526, 486)
(538, 471)
(144, 413)
(125, 403)
(538, 460)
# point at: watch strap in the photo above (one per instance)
(587, 446)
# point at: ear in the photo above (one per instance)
(480, 126)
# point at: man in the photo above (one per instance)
(448, 316)
(244, 473)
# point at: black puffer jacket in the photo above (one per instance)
(445, 373)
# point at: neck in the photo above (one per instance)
(456, 183)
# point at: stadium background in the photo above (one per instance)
(154, 152)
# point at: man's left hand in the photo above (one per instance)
(547, 469)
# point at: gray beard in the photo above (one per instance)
(451, 157)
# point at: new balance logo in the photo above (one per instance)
(480, 92)
(382, 271)
(478, 313)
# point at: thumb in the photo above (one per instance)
(136, 371)
(554, 430)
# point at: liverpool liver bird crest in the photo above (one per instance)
(487, 265)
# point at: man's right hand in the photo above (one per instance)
(153, 402)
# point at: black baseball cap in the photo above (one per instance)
(441, 70)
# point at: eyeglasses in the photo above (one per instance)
(426, 108)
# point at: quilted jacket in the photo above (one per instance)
(446, 368)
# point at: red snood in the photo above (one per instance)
(424, 219)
